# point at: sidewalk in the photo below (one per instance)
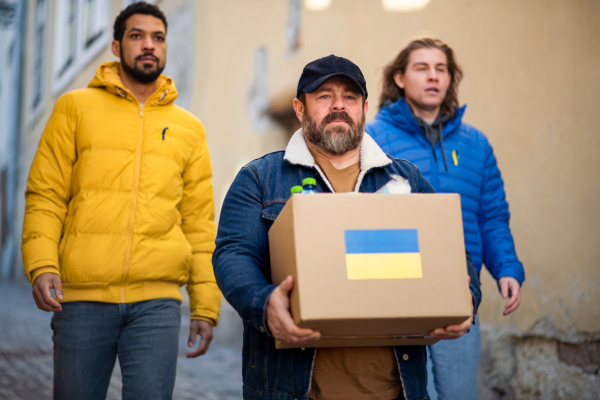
(26, 355)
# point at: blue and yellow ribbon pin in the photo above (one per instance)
(164, 133)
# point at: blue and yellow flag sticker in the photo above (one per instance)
(383, 254)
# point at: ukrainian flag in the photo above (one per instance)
(383, 254)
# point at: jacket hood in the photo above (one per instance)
(400, 115)
(107, 77)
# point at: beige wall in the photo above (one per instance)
(532, 84)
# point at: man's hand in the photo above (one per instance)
(509, 287)
(41, 292)
(203, 329)
(279, 319)
(455, 331)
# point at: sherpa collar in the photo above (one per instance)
(371, 155)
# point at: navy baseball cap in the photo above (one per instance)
(317, 72)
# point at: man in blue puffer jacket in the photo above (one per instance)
(419, 120)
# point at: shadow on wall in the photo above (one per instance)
(282, 112)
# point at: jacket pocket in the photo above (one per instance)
(272, 208)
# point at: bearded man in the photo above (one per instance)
(119, 215)
(331, 147)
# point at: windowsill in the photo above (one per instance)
(82, 60)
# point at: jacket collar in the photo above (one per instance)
(107, 77)
(371, 155)
(400, 115)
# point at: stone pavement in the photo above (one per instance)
(26, 354)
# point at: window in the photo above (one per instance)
(293, 26)
(38, 60)
(96, 31)
(125, 3)
(93, 30)
(64, 53)
(83, 29)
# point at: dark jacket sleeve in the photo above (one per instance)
(241, 247)
(423, 186)
(499, 254)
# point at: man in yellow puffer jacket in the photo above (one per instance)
(119, 216)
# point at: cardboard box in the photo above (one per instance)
(372, 269)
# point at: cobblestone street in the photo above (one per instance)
(26, 356)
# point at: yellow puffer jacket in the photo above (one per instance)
(120, 199)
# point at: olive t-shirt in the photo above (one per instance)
(355, 373)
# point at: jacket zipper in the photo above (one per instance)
(134, 193)
(434, 169)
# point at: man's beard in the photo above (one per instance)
(337, 140)
(142, 75)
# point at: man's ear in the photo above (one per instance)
(366, 106)
(399, 79)
(299, 108)
(116, 48)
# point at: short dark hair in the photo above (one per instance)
(140, 7)
(391, 91)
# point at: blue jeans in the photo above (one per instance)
(89, 335)
(452, 366)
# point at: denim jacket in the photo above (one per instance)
(242, 265)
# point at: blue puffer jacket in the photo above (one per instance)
(472, 172)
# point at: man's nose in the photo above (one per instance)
(148, 44)
(338, 103)
(432, 75)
